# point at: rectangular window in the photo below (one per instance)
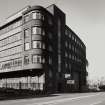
(27, 46)
(39, 60)
(26, 60)
(37, 15)
(36, 44)
(50, 60)
(26, 18)
(66, 32)
(36, 59)
(26, 33)
(36, 30)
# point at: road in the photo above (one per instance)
(61, 99)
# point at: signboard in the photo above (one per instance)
(70, 81)
(67, 75)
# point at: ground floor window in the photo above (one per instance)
(32, 83)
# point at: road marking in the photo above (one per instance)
(96, 103)
(54, 102)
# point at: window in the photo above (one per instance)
(27, 47)
(69, 46)
(43, 46)
(43, 32)
(66, 44)
(26, 33)
(26, 18)
(72, 37)
(70, 66)
(50, 73)
(70, 56)
(36, 59)
(50, 35)
(36, 30)
(19, 62)
(50, 60)
(26, 60)
(50, 21)
(37, 15)
(50, 48)
(66, 54)
(36, 44)
(73, 48)
(66, 33)
(39, 59)
(66, 65)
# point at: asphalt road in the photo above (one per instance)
(61, 99)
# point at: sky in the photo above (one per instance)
(85, 17)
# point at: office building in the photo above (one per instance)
(38, 51)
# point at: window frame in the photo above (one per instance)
(38, 30)
(37, 60)
(25, 32)
(38, 44)
(26, 18)
(25, 46)
(37, 15)
(26, 59)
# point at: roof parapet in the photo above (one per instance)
(14, 16)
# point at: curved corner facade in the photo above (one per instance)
(39, 52)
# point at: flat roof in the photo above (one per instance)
(14, 16)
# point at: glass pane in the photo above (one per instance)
(26, 60)
(34, 59)
(36, 44)
(36, 30)
(26, 33)
(26, 18)
(27, 46)
(39, 59)
(37, 15)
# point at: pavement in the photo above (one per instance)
(61, 99)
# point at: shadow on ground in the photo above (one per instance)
(22, 94)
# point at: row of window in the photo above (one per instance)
(69, 34)
(73, 57)
(32, 86)
(11, 51)
(35, 31)
(68, 65)
(73, 48)
(18, 62)
(11, 63)
(35, 59)
(10, 39)
(10, 27)
(35, 15)
(35, 44)
(23, 82)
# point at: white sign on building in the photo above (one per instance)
(70, 82)
(67, 75)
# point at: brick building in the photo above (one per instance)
(39, 51)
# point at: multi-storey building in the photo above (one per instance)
(38, 51)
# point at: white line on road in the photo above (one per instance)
(96, 103)
(53, 102)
